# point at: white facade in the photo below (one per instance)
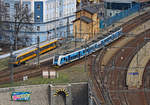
(50, 17)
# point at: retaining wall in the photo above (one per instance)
(43, 94)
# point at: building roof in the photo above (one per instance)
(91, 9)
(126, 1)
(142, 1)
(120, 1)
(84, 18)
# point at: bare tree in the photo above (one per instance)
(3, 12)
(22, 21)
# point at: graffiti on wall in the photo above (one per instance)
(20, 96)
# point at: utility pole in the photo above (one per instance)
(55, 18)
(139, 7)
(68, 29)
(145, 38)
(80, 17)
(11, 65)
(137, 55)
(75, 36)
(85, 55)
(38, 50)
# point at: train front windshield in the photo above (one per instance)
(13, 59)
(56, 59)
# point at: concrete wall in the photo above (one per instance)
(39, 95)
(79, 94)
(57, 99)
(44, 94)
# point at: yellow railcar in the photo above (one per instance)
(31, 52)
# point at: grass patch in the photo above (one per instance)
(4, 63)
(38, 80)
(70, 75)
(75, 73)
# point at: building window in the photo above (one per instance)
(110, 14)
(38, 28)
(26, 27)
(47, 6)
(38, 6)
(7, 16)
(26, 6)
(7, 5)
(47, 17)
(38, 17)
(16, 5)
(7, 26)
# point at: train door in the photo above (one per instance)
(69, 58)
(79, 54)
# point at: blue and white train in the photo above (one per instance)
(95, 45)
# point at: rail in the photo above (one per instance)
(93, 72)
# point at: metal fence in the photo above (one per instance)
(107, 22)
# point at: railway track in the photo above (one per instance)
(130, 25)
(114, 73)
(94, 70)
(117, 74)
(146, 83)
(24, 70)
(135, 22)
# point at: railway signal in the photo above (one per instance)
(38, 50)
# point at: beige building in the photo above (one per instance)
(86, 24)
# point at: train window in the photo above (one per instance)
(83, 51)
(66, 59)
(53, 44)
(45, 47)
(87, 50)
(56, 58)
(50, 45)
(29, 54)
(32, 52)
(35, 51)
(42, 48)
(69, 57)
(38, 6)
(74, 56)
(20, 57)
